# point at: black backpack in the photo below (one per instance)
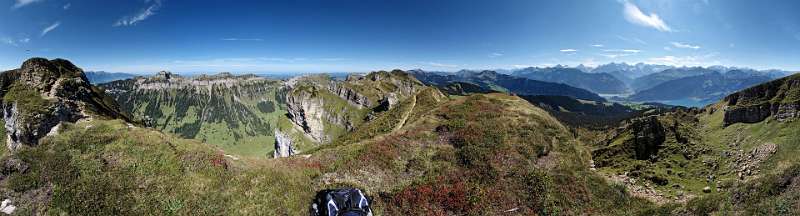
(341, 202)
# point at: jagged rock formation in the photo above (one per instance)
(779, 98)
(387, 103)
(324, 108)
(238, 113)
(283, 145)
(306, 111)
(43, 93)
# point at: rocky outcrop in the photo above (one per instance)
(283, 145)
(779, 98)
(307, 111)
(387, 103)
(27, 128)
(316, 102)
(46, 93)
(648, 136)
(641, 139)
(350, 95)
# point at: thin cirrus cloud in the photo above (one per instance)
(50, 28)
(568, 50)
(495, 55)
(623, 50)
(14, 42)
(242, 39)
(597, 45)
(616, 53)
(684, 45)
(634, 15)
(67, 6)
(693, 60)
(142, 15)
(23, 3)
(437, 64)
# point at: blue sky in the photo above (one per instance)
(144, 36)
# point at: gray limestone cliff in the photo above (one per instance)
(321, 106)
(778, 98)
(283, 145)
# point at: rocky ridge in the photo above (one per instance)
(318, 105)
(42, 93)
(778, 98)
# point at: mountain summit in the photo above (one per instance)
(42, 93)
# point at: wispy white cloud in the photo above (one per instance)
(693, 60)
(684, 45)
(598, 45)
(495, 55)
(623, 50)
(23, 3)
(50, 28)
(437, 64)
(634, 15)
(14, 41)
(8, 41)
(151, 9)
(242, 39)
(616, 53)
(568, 50)
(67, 6)
(632, 40)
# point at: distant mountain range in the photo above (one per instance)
(98, 77)
(654, 79)
(704, 89)
(505, 83)
(602, 83)
(653, 83)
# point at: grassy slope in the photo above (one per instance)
(497, 153)
(108, 168)
(766, 193)
(479, 154)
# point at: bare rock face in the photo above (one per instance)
(43, 93)
(387, 103)
(283, 145)
(779, 98)
(350, 95)
(317, 102)
(306, 111)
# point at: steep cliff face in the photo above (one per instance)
(283, 145)
(237, 113)
(306, 110)
(779, 98)
(325, 108)
(43, 93)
